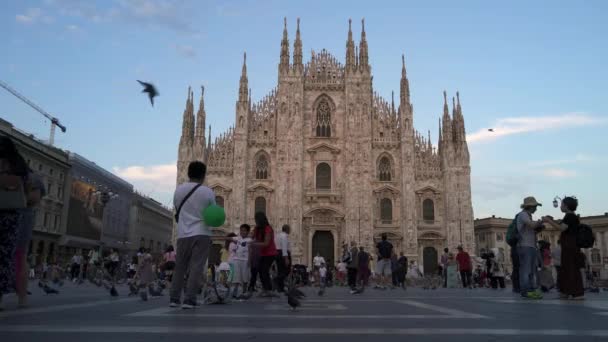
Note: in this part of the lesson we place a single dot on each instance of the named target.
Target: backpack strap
(179, 209)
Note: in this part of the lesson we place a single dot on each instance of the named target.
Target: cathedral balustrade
(386, 223)
(219, 170)
(385, 143)
(316, 195)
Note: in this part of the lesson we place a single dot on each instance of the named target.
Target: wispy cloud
(527, 124)
(33, 15)
(558, 173)
(579, 158)
(229, 10)
(170, 14)
(185, 50)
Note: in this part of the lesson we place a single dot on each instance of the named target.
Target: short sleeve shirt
(190, 218)
(242, 248)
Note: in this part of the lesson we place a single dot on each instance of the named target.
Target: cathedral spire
(405, 84)
(199, 135)
(363, 49)
(284, 63)
(188, 122)
(392, 102)
(350, 49)
(446, 110)
(243, 83)
(201, 116)
(446, 120)
(297, 50)
(459, 130)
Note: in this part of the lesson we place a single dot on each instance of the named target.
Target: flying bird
(150, 89)
(490, 129)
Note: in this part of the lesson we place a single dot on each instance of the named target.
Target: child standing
(241, 261)
(323, 275)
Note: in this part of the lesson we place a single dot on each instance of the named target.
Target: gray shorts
(384, 267)
(242, 274)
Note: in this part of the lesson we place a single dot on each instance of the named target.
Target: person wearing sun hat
(526, 247)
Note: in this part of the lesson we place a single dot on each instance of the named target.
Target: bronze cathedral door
(323, 243)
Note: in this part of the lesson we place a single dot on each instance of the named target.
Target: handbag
(12, 193)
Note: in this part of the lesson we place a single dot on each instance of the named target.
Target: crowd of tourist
(258, 253)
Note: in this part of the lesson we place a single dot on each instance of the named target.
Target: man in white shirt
(283, 256)
(193, 235)
(317, 261)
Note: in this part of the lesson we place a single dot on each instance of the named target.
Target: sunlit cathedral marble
(325, 154)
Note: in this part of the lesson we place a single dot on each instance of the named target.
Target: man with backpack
(383, 268)
(527, 253)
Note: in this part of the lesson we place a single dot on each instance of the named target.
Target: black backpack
(584, 236)
(513, 233)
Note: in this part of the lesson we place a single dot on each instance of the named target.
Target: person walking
(193, 235)
(264, 241)
(283, 257)
(169, 263)
(444, 266)
(402, 272)
(526, 248)
(15, 185)
(363, 269)
(383, 267)
(24, 235)
(76, 262)
(497, 269)
(317, 261)
(464, 267)
(570, 280)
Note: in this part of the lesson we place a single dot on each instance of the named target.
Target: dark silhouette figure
(150, 89)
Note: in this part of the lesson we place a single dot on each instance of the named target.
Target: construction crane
(54, 120)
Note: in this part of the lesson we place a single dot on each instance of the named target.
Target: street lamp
(104, 195)
(556, 201)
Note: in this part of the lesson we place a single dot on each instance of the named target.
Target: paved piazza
(86, 314)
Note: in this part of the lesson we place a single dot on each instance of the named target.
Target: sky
(534, 71)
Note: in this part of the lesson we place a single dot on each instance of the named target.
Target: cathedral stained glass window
(323, 177)
(428, 210)
(386, 211)
(324, 119)
(261, 167)
(384, 170)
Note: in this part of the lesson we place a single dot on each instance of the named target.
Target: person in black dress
(570, 281)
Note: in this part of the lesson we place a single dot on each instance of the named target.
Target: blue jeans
(528, 261)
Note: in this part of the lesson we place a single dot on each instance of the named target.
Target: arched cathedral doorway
(323, 243)
(429, 259)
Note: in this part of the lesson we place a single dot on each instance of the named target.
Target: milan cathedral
(327, 155)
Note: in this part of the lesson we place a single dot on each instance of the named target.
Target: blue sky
(535, 71)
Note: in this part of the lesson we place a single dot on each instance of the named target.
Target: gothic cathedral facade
(325, 154)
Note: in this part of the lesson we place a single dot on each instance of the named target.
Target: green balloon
(214, 215)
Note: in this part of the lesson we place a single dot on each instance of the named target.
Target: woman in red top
(264, 240)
